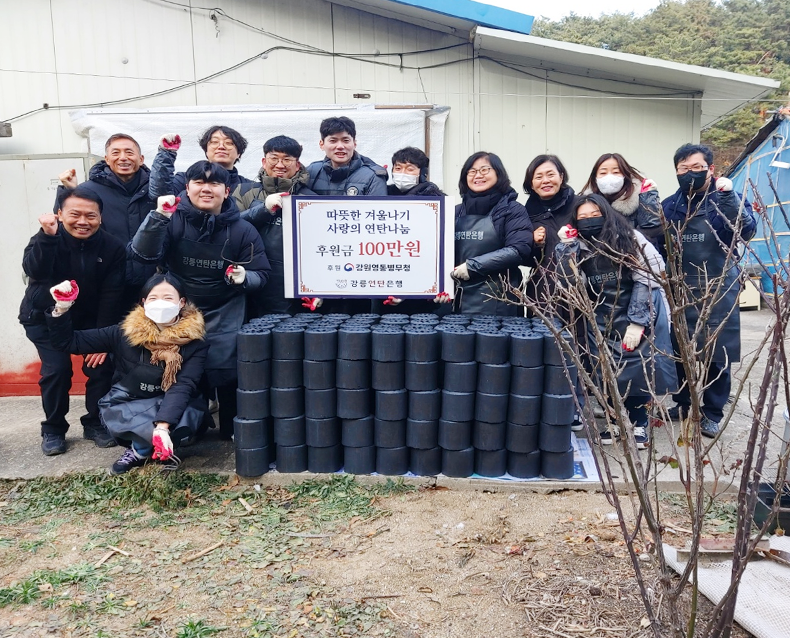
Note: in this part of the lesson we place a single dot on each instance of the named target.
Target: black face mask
(590, 227)
(692, 181)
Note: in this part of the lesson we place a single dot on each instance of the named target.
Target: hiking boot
(708, 428)
(606, 435)
(641, 437)
(53, 444)
(99, 435)
(128, 461)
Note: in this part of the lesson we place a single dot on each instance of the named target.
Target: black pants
(55, 383)
(226, 395)
(718, 381)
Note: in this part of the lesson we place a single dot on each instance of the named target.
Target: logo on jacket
(352, 191)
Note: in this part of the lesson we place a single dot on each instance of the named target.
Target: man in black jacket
(121, 181)
(73, 246)
(410, 175)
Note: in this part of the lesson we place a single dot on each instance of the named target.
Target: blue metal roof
(477, 12)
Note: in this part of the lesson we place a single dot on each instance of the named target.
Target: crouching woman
(159, 353)
(622, 272)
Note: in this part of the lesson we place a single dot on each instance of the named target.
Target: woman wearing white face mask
(159, 354)
(630, 194)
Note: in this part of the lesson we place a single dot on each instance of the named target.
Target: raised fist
(170, 142)
(648, 185)
(723, 184)
(274, 202)
(567, 234)
(235, 275)
(65, 294)
(49, 223)
(69, 178)
(442, 297)
(167, 204)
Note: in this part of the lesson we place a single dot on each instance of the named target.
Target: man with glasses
(261, 204)
(221, 144)
(219, 257)
(706, 221)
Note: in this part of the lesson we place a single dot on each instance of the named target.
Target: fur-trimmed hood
(625, 206)
(141, 331)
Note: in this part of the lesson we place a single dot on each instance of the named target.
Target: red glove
(70, 296)
(167, 204)
(170, 142)
(567, 234)
(442, 297)
(392, 301)
(312, 303)
(163, 444)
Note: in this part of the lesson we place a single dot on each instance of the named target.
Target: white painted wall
(87, 53)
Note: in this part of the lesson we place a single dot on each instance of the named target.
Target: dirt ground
(79, 558)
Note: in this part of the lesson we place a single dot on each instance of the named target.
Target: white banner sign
(368, 246)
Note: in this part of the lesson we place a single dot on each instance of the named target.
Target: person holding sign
(219, 257)
(493, 237)
(261, 203)
(344, 172)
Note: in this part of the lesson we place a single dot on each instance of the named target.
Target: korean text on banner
(367, 246)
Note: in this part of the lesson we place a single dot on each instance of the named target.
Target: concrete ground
(21, 457)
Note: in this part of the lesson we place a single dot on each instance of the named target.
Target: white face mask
(610, 184)
(404, 181)
(161, 311)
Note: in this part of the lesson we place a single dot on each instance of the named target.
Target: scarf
(540, 210)
(481, 203)
(164, 344)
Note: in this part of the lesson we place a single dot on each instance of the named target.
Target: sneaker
(677, 412)
(606, 435)
(641, 436)
(708, 428)
(213, 406)
(128, 461)
(577, 425)
(598, 411)
(53, 444)
(99, 435)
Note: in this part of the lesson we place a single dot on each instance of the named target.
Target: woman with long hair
(621, 271)
(493, 237)
(159, 353)
(628, 192)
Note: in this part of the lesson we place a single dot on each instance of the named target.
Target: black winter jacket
(362, 176)
(513, 227)
(97, 264)
(552, 214)
(126, 357)
(250, 196)
(158, 234)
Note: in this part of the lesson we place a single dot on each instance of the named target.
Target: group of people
(159, 269)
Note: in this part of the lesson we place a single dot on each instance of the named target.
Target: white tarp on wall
(380, 132)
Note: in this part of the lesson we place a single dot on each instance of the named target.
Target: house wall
(91, 53)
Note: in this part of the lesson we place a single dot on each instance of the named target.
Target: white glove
(567, 234)
(163, 445)
(170, 142)
(167, 204)
(274, 202)
(442, 297)
(723, 184)
(312, 303)
(392, 301)
(648, 185)
(461, 272)
(64, 294)
(235, 275)
(633, 335)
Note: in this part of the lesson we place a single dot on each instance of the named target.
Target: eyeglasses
(482, 171)
(285, 161)
(682, 170)
(214, 143)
